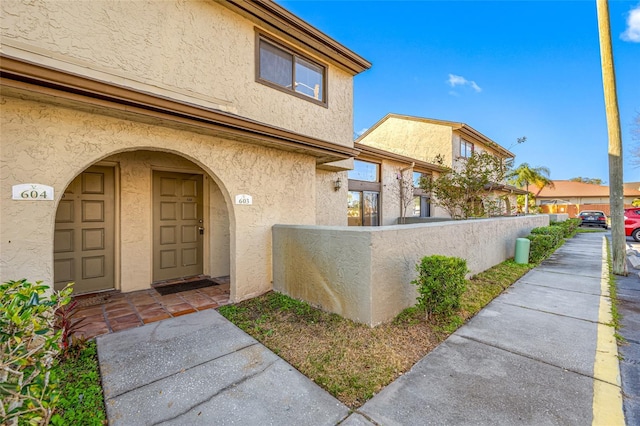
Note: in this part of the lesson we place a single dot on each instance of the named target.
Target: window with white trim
(287, 70)
(466, 148)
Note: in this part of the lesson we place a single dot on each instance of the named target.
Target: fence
(365, 273)
(573, 209)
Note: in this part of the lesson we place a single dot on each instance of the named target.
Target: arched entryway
(138, 218)
(84, 237)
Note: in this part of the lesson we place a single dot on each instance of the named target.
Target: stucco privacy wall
(53, 144)
(196, 51)
(365, 273)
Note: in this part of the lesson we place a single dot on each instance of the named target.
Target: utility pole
(616, 195)
(526, 199)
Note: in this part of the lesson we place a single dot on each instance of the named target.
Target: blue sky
(506, 68)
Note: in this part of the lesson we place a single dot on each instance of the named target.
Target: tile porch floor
(121, 311)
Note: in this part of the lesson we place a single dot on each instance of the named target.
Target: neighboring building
(572, 197)
(437, 141)
(384, 186)
(159, 140)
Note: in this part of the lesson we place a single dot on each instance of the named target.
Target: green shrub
(441, 283)
(542, 245)
(30, 345)
(569, 227)
(555, 232)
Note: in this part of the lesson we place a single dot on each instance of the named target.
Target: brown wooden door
(84, 232)
(177, 225)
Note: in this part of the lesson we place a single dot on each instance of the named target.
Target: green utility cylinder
(522, 250)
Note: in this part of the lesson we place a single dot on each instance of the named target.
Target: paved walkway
(629, 308)
(111, 312)
(528, 358)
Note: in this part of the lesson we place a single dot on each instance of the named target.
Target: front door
(177, 225)
(84, 233)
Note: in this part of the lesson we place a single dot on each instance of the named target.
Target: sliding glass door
(363, 208)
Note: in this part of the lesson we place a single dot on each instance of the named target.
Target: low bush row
(546, 239)
(441, 280)
(569, 227)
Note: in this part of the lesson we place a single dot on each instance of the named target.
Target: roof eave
(19, 75)
(296, 29)
(367, 150)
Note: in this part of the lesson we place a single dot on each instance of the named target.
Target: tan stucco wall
(390, 196)
(437, 211)
(47, 144)
(414, 139)
(365, 273)
(196, 51)
(331, 205)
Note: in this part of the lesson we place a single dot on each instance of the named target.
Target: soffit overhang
(21, 78)
(295, 30)
(505, 188)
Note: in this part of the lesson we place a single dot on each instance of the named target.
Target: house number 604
(32, 191)
(33, 194)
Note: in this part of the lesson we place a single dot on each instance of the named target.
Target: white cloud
(632, 33)
(455, 80)
(361, 132)
(458, 80)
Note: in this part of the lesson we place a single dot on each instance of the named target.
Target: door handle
(201, 229)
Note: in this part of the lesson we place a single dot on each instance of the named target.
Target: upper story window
(365, 171)
(466, 148)
(416, 179)
(287, 70)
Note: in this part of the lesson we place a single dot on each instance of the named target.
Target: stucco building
(384, 188)
(571, 197)
(437, 141)
(145, 141)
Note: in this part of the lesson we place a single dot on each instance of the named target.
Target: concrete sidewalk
(528, 358)
(629, 307)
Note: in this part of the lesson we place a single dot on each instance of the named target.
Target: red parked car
(632, 223)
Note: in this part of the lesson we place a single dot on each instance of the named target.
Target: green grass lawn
(354, 361)
(81, 401)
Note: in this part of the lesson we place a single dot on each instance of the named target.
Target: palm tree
(524, 174)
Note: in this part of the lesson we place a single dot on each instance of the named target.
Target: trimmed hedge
(556, 233)
(441, 283)
(542, 245)
(569, 227)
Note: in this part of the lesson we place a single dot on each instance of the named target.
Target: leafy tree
(464, 191)
(525, 175)
(592, 181)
